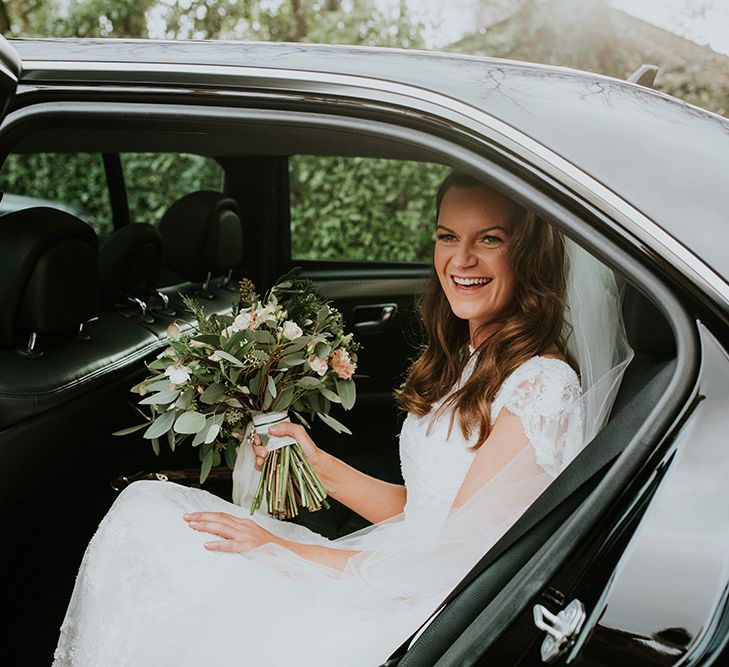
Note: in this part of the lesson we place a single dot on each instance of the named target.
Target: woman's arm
(371, 498)
(243, 535)
(506, 440)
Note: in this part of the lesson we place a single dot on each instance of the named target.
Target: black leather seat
(49, 276)
(130, 261)
(203, 236)
(61, 393)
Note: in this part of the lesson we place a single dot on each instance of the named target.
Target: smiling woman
(515, 393)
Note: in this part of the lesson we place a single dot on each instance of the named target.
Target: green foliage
(76, 179)
(153, 182)
(362, 208)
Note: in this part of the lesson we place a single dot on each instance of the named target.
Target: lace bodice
(540, 392)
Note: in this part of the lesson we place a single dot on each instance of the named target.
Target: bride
(496, 409)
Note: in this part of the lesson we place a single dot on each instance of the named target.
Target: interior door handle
(374, 317)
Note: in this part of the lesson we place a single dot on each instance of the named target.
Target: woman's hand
(240, 535)
(312, 453)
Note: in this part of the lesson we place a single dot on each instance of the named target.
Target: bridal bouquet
(228, 374)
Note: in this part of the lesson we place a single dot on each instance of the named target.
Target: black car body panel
(613, 130)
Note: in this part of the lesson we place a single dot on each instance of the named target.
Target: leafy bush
(362, 208)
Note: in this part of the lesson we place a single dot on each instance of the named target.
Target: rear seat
(203, 245)
(61, 356)
(69, 354)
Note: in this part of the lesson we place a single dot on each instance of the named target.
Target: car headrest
(647, 329)
(202, 233)
(49, 274)
(130, 260)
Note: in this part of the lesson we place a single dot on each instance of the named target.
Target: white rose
(291, 330)
(318, 365)
(265, 314)
(177, 374)
(242, 321)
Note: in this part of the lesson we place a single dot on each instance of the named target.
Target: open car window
(362, 209)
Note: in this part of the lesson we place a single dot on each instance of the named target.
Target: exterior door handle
(372, 318)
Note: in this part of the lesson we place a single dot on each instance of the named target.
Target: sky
(703, 21)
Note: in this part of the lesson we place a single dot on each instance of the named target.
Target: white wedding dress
(149, 593)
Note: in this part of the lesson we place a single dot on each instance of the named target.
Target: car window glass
(362, 209)
(74, 182)
(154, 181)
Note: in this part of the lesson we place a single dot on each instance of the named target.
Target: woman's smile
(468, 284)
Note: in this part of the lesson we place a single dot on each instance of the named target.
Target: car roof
(668, 159)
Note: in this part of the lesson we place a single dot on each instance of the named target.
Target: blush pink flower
(342, 364)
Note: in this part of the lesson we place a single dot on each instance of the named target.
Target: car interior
(84, 306)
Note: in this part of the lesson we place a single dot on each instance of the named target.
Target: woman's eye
(492, 240)
(445, 237)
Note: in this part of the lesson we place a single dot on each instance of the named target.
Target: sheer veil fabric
(148, 593)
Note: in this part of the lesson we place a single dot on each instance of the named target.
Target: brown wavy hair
(533, 327)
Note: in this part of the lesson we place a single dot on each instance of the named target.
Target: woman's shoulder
(543, 385)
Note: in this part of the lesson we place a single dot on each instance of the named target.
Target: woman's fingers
(231, 546)
(215, 528)
(296, 431)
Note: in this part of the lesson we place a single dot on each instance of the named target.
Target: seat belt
(594, 458)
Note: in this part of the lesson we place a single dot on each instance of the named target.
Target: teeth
(466, 282)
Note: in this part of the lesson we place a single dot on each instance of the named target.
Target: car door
(10, 66)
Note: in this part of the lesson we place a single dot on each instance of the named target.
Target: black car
(628, 550)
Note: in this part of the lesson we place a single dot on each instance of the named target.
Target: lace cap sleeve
(543, 393)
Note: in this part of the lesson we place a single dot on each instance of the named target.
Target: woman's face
(472, 256)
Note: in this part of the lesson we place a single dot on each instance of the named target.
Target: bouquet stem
(289, 482)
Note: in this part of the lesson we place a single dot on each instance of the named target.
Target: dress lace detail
(541, 392)
(148, 593)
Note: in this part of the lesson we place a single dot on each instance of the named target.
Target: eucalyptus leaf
(296, 345)
(259, 354)
(207, 464)
(212, 433)
(160, 397)
(283, 400)
(208, 339)
(216, 458)
(213, 393)
(229, 358)
(308, 382)
(333, 423)
(231, 453)
(322, 315)
(323, 350)
(347, 392)
(161, 425)
(264, 337)
(272, 387)
(255, 383)
(131, 429)
(158, 385)
(233, 403)
(159, 364)
(190, 422)
(155, 446)
(185, 399)
(291, 360)
(171, 440)
(267, 400)
(200, 436)
(330, 395)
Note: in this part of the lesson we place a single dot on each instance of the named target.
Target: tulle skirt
(149, 593)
